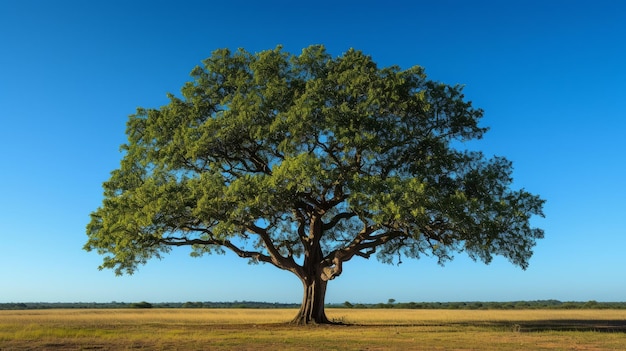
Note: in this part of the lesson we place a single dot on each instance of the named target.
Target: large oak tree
(306, 161)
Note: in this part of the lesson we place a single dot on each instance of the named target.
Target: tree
(142, 304)
(306, 161)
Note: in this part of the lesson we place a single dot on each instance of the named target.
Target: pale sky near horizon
(550, 75)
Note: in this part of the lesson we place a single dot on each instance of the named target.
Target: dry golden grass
(255, 329)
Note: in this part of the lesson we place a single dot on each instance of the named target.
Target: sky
(550, 76)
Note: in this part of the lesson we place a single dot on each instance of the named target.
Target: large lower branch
(363, 245)
(333, 270)
(275, 256)
(181, 241)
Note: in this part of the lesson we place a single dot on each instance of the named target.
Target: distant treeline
(477, 305)
(513, 305)
(142, 304)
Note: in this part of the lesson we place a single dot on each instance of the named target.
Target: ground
(266, 329)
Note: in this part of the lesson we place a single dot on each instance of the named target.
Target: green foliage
(190, 304)
(142, 304)
(305, 161)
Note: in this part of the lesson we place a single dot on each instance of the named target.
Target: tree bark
(312, 308)
(315, 273)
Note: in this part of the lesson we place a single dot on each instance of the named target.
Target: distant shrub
(141, 304)
(190, 304)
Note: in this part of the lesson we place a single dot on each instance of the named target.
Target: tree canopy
(306, 161)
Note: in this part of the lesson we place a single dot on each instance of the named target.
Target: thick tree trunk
(312, 308)
(315, 274)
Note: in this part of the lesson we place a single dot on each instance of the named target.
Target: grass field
(258, 329)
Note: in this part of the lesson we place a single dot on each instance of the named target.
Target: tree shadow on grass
(591, 325)
(602, 326)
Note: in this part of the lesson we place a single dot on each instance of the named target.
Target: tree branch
(300, 217)
(333, 222)
(275, 257)
(364, 244)
(181, 241)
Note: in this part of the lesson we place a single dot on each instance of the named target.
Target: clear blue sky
(550, 75)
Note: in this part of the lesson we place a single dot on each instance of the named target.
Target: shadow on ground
(595, 325)
(607, 326)
(602, 326)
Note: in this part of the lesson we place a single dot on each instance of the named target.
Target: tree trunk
(312, 308)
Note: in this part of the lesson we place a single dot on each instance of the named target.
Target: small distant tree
(142, 304)
(305, 162)
(190, 304)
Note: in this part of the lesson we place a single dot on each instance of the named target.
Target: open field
(258, 329)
